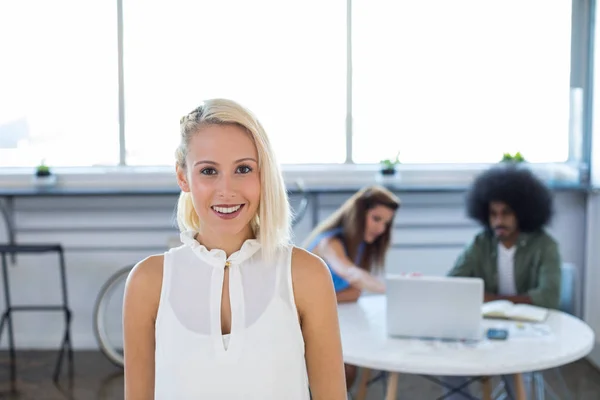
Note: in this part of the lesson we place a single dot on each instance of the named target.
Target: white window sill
(346, 175)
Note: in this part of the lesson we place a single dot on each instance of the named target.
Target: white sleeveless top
(262, 358)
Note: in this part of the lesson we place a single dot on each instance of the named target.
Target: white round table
(366, 344)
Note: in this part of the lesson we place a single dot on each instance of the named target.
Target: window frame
(576, 169)
(317, 176)
(581, 56)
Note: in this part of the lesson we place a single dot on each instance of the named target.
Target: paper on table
(517, 312)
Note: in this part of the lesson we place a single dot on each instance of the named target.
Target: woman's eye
(208, 171)
(244, 169)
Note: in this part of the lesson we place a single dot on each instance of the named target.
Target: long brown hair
(351, 217)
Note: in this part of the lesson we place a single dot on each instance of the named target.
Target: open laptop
(434, 307)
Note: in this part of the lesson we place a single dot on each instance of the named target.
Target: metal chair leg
(7, 317)
(538, 385)
(66, 349)
(66, 342)
(563, 385)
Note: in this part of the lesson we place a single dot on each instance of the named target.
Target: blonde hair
(271, 225)
(351, 218)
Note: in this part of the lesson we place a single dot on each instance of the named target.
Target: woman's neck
(228, 243)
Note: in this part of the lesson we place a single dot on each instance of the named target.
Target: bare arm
(140, 305)
(317, 308)
(348, 295)
(332, 250)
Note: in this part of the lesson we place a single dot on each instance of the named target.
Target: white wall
(102, 234)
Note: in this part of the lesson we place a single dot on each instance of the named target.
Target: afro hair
(529, 198)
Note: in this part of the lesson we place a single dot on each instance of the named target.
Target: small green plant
(388, 166)
(42, 169)
(516, 158)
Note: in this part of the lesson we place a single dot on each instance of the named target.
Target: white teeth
(227, 210)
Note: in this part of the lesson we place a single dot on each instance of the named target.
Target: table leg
(392, 386)
(520, 393)
(486, 388)
(361, 393)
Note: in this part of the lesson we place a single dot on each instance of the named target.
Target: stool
(14, 249)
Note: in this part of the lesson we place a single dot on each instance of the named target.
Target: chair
(13, 249)
(567, 289)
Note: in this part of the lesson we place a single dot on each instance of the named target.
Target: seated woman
(353, 243)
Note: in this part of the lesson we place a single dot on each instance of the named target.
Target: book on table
(506, 309)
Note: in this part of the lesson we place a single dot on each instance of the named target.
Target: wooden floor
(95, 378)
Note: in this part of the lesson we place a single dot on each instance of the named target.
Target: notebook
(517, 312)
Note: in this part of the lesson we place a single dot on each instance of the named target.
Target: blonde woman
(236, 312)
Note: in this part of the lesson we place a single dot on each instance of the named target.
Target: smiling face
(378, 219)
(222, 176)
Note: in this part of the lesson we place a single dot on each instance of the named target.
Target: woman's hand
(332, 250)
(362, 279)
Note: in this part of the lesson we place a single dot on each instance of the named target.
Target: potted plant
(516, 158)
(388, 166)
(43, 175)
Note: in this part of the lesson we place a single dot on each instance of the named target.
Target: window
(286, 61)
(58, 83)
(461, 81)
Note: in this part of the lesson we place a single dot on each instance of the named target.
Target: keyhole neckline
(217, 257)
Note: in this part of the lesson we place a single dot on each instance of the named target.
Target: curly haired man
(514, 255)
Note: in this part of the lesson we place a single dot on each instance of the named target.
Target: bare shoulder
(333, 250)
(307, 266)
(144, 282)
(311, 279)
(149, 270)
(332, 242)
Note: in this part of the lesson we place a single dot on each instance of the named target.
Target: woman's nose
(226, 186)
